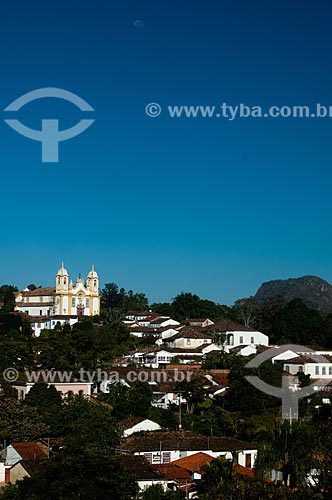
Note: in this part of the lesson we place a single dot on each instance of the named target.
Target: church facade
(66, 299)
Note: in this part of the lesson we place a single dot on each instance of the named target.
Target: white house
(310, 365)
(188, 338)
(200, 322)
(40, 323)
(143, 472)
(155, 322)
(164, 447)
(137, 424)
(17, 458)
(232, 334)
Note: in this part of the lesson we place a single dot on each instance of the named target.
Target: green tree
(19, 422)
(289, 449)
(139, 398)
(89, 427)
(67, 476)
(215, 472)
(155, 492)
(246, 310)
(48, 402)
(7, 297)
(193, 392)
(114, 298)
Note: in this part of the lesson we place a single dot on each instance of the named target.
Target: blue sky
(166, 205)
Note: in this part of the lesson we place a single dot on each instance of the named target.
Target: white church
(63, 303)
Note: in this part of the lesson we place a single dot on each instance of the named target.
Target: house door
(248, 460)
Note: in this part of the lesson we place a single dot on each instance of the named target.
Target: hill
(315, 292)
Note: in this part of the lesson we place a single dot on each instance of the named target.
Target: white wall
(246, 338)
(176, 454)
(184, 343)
(146, 425)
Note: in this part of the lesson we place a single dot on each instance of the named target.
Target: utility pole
(180, 414)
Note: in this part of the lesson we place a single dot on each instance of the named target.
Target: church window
(59, 281)
(65, 281)
(87, 302)
(73, 302)
(95, 283)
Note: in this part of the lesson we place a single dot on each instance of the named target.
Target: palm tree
(289, 449)
(215, 472)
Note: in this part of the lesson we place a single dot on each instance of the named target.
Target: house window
(252, 340)
(324, 370)
(241, 340)
(81, 393)
(287, 368)
(330, 370)
(161, 358)
(300, 369)
(316, 370)
(205, 341)
(40, 312)
(188, 341)
(156, 459)
(41, 299)
(148, 456)
(248, 460)
(166, 458)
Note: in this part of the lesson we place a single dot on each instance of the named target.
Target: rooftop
(140, 468)
(194, 463)
(181, 440)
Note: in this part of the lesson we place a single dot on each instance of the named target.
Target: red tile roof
(244, 471)
(181, 440)
(38, 292)
(171, 471)
(228, 326)
(140, 468)
(194, 463)
(30, 451)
